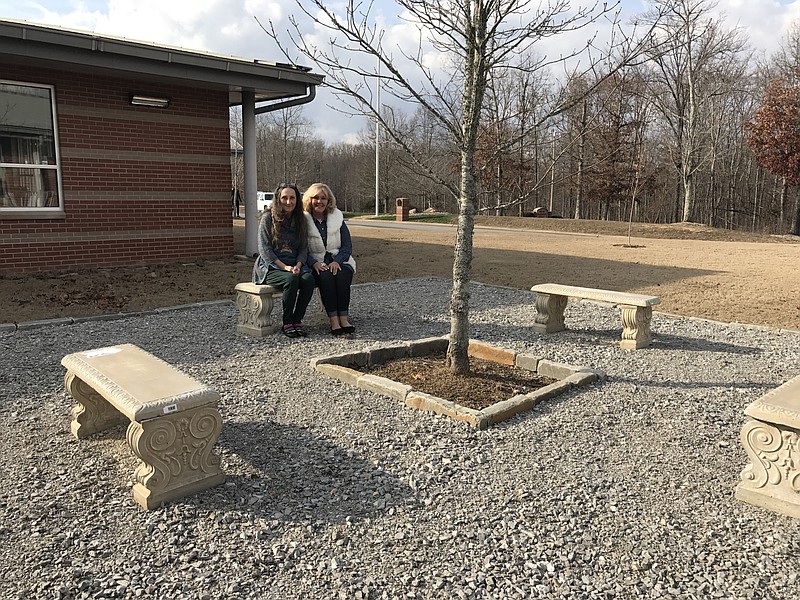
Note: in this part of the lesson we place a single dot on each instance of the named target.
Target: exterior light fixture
(151, 101)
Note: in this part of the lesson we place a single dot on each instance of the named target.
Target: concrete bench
(635, 309)
(772, 440)
(255, 304)
(173, 419)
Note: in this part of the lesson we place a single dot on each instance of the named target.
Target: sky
(230, 27)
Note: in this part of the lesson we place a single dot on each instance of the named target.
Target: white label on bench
(170, 408)
(101, 352)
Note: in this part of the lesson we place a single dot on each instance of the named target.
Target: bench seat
(635, 310)
(771, 439)
(173, 419)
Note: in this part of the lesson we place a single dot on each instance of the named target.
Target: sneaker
(290, 331)
(298, 329)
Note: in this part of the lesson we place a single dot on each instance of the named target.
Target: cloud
(765, 22)
(230, 27)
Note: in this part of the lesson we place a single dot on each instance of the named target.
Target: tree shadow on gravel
(763, 388)
(288, 473)
(663, 341)
(590, 336)
(692, 344)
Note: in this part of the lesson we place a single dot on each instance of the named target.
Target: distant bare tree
(281, 146)
(689, 48)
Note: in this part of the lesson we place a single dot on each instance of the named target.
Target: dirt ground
(695, 270)
(485, 384)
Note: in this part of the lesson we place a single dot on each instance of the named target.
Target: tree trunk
(784, 188)
(688, 197)
(756, 206)
(471, 102)
(795, 229)
(581, 160)
(457, 350)
(678, 203)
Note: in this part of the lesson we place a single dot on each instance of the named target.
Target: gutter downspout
(249, 112)
(310, 95)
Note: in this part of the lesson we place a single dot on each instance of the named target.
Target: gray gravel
(623, 489)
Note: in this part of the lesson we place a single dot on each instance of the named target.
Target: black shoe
(290, 331)
(298, 329)
(349, 329)
(337, 332)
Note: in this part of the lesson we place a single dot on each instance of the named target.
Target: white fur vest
(316, 249)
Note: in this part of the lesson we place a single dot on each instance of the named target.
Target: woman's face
(287, 200)
(319, 202)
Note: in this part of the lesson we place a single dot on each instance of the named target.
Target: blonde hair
(314, 189)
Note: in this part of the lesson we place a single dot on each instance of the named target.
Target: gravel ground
(623, 489)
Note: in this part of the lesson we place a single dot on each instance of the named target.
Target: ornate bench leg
(92, 413)
(635, 326)
(771, 479)
(255, 313)
(549, 313)
(177, 454)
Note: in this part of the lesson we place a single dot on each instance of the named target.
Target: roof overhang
(26, 43)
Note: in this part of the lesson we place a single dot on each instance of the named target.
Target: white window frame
(44, 212)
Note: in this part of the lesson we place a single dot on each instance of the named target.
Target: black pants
(334, 290)
(297, 293)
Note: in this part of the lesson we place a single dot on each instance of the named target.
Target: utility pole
(552, 169)
(378, 145)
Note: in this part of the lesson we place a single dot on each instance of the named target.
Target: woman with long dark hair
(283, 256)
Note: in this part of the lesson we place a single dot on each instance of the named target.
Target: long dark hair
(297, 220)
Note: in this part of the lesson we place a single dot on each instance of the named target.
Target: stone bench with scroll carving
(173, 419)
(772, 440)
(636, 310)
(255, 303)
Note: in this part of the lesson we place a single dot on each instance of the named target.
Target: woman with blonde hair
(283, 256)
(330, 255)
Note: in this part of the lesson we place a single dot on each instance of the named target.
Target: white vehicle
(263, 200)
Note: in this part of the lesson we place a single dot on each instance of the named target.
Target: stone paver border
(344, 367)
(60, 321)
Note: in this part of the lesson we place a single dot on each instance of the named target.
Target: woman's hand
(319, 267)
(295, 270)
(335, 267)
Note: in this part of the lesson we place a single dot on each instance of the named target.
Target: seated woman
(329, 254)
(282, 257)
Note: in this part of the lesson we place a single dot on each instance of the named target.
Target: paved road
(439, 226)
(396, 225)
(414, 225)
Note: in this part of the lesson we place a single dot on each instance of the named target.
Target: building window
(30, 180)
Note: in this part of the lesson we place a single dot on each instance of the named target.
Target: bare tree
(281, 137)
(688, 48)
(476, 37)
(786, 61)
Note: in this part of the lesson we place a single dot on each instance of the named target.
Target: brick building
(114, 152)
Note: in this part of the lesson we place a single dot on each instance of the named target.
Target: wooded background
(699, 129)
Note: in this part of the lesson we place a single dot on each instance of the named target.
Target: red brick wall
(140, 185)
